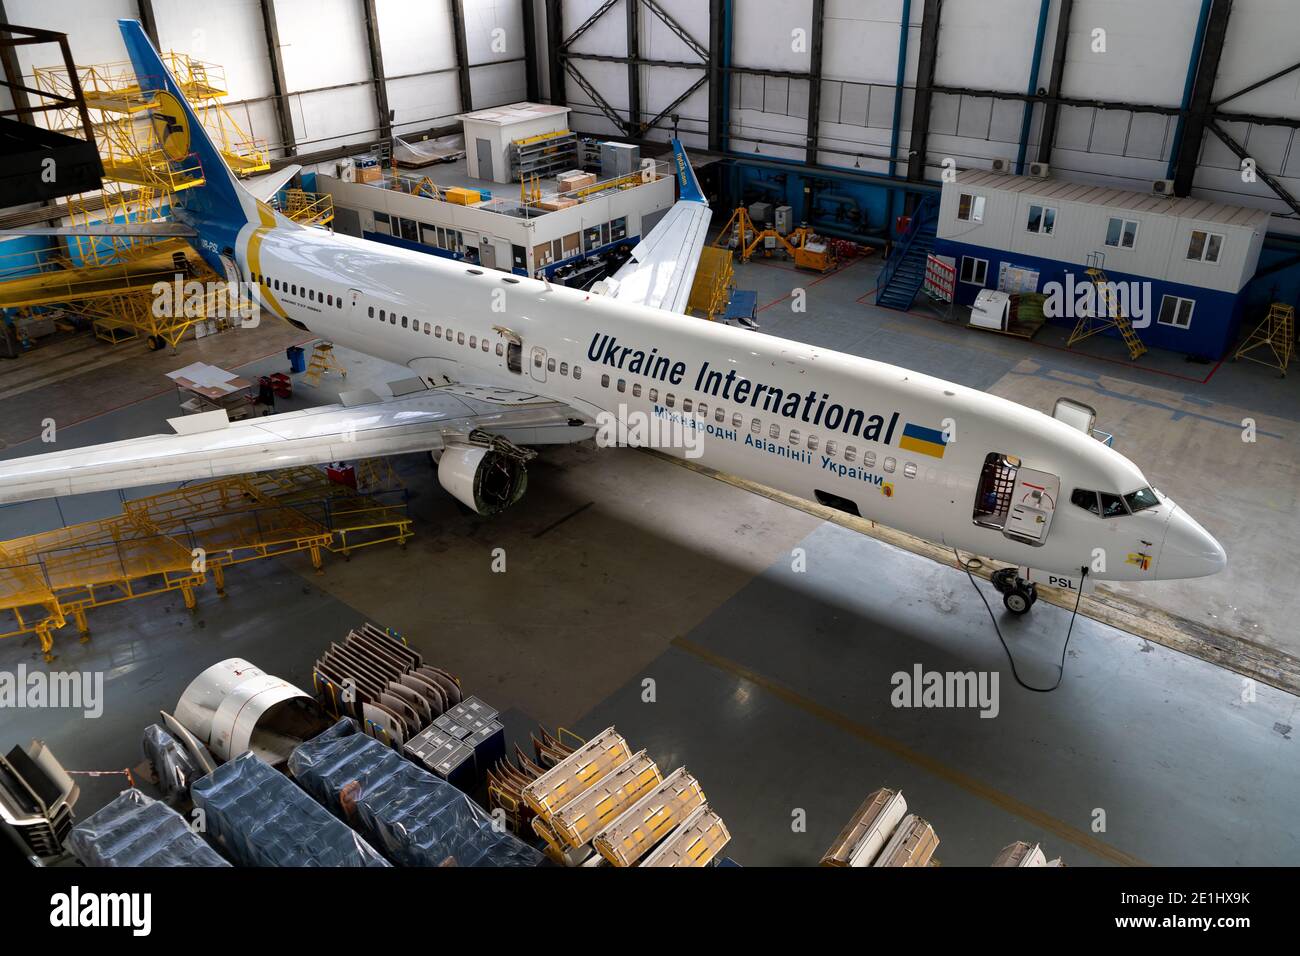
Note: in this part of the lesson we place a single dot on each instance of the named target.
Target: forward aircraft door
(1032, 505)
(538, 363)
(1016, 500)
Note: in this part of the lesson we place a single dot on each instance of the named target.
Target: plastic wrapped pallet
(172, 765)
(136, 830)
(413, 817)
(261, 819)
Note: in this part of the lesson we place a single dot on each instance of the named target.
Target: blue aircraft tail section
(220, 206)
(688, 187)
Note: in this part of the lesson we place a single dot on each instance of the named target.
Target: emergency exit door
(538, 363)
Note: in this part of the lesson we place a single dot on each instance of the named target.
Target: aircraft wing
(210, 446)
(662, 268)
(157, 229)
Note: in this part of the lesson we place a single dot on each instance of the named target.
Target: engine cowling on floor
(483, 479)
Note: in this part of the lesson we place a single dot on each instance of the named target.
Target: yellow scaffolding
(713, 279)
(172, 541)
(1276, 334)
(310, 209)
(112, 91)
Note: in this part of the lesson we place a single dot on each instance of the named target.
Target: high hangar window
(1204, 246)
(1121, 233)
(1042, 219)
(970, 208)
(1176, 311)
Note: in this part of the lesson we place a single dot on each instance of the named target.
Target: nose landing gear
(1018, 595)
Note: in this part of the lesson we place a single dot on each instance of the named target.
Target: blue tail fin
(688, 187)
(219, 207)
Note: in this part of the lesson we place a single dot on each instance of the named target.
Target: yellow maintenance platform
(174, 540)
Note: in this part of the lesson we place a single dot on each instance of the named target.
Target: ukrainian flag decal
(923, 441)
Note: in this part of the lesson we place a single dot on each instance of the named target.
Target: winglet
(688, 187)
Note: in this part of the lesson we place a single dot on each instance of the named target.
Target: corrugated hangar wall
(1146, 56)
(978, 56)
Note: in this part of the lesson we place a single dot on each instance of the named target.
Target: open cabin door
(1016, 500)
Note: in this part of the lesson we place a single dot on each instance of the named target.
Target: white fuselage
(766, 416)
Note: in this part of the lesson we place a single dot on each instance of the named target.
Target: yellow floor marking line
(972, 785)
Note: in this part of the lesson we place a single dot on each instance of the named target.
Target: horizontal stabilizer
(161, 229)
(265, 187)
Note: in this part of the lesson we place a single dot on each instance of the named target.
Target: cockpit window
(1141, 499)
(1112, 506)
(1086, 500)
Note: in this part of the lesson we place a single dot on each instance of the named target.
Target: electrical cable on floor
(975, 562)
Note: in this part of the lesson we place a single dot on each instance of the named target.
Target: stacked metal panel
(697, 842)
(626, 839)
(415, 818)
(260, 818)
(604, 797)
(377, 679)
(1026, 855)
(136, 830)
(867, 832)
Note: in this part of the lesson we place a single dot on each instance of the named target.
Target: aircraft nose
(1189, 551)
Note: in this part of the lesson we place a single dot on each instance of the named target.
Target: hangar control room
(650, 433)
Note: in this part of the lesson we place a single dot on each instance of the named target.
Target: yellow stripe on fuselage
(931, 448)
(267, 218)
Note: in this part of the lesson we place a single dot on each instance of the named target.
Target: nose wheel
(1018, 595)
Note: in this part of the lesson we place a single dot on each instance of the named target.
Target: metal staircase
(904, 271)
(1107, 315)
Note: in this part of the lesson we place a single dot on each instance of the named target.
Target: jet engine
(487, 478)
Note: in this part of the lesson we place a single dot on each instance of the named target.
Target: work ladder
(1277, 332)
(322, 361)
(1107, 315)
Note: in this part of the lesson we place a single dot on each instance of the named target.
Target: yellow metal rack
(172, 541)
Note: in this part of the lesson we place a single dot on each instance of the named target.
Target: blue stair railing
(904, 271)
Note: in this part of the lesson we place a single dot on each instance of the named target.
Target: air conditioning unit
(1040, 170)
(1163, 187)
(1007, 166)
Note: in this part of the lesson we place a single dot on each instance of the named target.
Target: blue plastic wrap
(260, 818)
(413, 817)
(173, 767)
(136, 830)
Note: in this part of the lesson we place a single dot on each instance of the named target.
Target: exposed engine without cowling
(487, 478)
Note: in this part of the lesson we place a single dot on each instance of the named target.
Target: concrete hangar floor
(773, 686)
